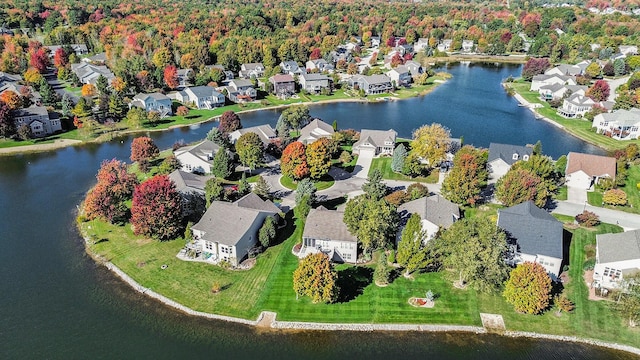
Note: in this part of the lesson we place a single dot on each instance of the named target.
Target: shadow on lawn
(352, 282)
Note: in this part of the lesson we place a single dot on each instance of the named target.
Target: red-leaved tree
(107, 200)
(315, 54)
(294, 161)
(60, 58)
(157, 209)
(534, 67)
(229, 122)
(40, 60)
(171, 76)
(599, 91)
(143, 149)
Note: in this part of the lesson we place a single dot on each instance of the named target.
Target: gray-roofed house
(421, 44)
(576, 105)
(283, 85)
(78, 49)
(202, 97)
(400, 75)
(502, 156)
(315, 130)
(251, 70)
(445, 45)
(228, 231)
(88, 73)
(375, 142)
(564, 69)
(324, 231)
(467, 45)
(435, 212)
(184, 77)
(37, 118)
(241, 90)
(540, 80)
(373, 84)
(314, 83)
(265, 132)
(617, 255)
(188, 182)
(319, 64)
(620, 125)
(157, 102)
(534, 236)
(99, 58)
(292, 68)
(414, 68)
(197, 158)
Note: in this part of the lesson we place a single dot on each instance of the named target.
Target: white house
(265, 132)
(534, 236)
(400, 75)
(564, 69)
(241, 90)
(319, 64)
(157, 102)
(541, 80)
(251, 70)
(628, 49)
(502, 156)
(202, 97)
(445, 45)
(617, 255)
(314, 83)
(576, 105)
(88, 73)
(37, 118)
(324, 231)
(374, 84)
(583, 170)
(435, 213)
(421, 44)
(292, 68)
(375, 142)
(620, 124)
(228, 231)
(197, 158)
(467, 45)
(315, 130)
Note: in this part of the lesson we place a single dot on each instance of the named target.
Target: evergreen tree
(243, 186)
(66, 104)
(399, 155)
(381, 273)
(374, 187)
(412, 253)
(306, 187)
(214, 191)
(262, 188)
(267, 232)
(222, 164)
(218, 138)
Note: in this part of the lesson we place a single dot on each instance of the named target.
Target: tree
(302, 208)
(629, 302)
(374, 187)
(116, 106)
(32, 76)
(599, 91)
(262, 188)
(593, 70)
(474, 249)
(170, 76)
(528, 288)
(88, 90)
(293, 162)
(614, 197)
(250, 150)
(40, 60)
(520, 185)
(24, 132)
(416, 191)
(60, 58)
(219, 138)
(296, 116)
(102, 85)
(373, 222)
(619, 67)
(267, 232)
(244, 187)
(412, 254)
(107, 200)
(169, 165)
(315, 277)
(464, 183)
(431, 143)
(319, 158)
(7, 122)
(399, 155)
(306, 187)
(11, 99)
(143, 149)
(213, 191)
(182, 111)
(222, 164)
(535, 66)
(118, 85)
(588, 219)
(135, 116)
(229, 122)
(156, 210)
(543, 167)
(381, 273)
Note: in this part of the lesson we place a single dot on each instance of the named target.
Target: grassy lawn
(631, 188)
(7, 143)
(594, 198)
(562, 193)
(384, 165)
(324, 183)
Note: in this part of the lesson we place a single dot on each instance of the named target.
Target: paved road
(626, 220)
(58, 86)
(613, 85)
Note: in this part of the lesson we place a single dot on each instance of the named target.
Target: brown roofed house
(584, 170)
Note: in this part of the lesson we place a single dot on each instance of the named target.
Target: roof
(435, 209)
(314, 77)
(376, 137)
(203, 149)
(252, 66)
(265, 132)
(536, 232)
(618, 247)
(376, 79)
(203, 91)
(592, 165)
(622, 117)
(156, 96)
(315, 130)
(253, 201)
(326, 224)
(566, 69)
(506, 151)
(30, 111)
(579, 99)
(189, 182)
(281, 78)
(552, 87)
(545, 77)
(241, 82)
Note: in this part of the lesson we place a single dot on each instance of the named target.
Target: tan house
(324, 231)
(584, 170)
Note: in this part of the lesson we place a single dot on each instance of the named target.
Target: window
(525, 157)
(612, 273)
(515, 157)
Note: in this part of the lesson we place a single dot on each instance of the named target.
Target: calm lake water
(55, 303)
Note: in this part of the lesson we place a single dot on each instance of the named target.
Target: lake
(56, 303)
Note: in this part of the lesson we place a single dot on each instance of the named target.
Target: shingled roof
(618, 247)
(506, 152)
(189, 182)
(326, 224)
(534, 229)
(435, 209)
(592, 165)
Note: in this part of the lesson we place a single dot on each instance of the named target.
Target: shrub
(614, 197)
(588, 219)
(589, 264)
(182, 111)
(397, 198)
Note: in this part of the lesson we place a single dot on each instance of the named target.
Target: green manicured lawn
(562, 193)
(631, 188)
(6, 143)
(594, 198)
(384, 165)
(324, 183)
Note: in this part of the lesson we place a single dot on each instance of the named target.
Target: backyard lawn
(323, 183)
(384, 165)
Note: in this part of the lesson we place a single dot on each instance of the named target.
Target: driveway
(59, 88)
(626, 220)
(576, 195)
(363, 164)
(613, 85)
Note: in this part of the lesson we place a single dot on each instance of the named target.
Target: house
(189, 183)
(88, 73)
(564, 69)
(617, 256)
(400, 76)
(228, 231)
(414, 68)
(502, 156)
(541, 80)
(228, 74)
(534, 236)
(202, 97)
(375, 41)
(421, 44)
(251, 71)
(292, 68)
(584, 170)
(374, 84)
(620, 124)
(38, 119)
(315, 130)
(265, 132)
(197, 158)
(467, 45)
(435, 212)
(78, 49)
(628, 50)
(558, 91)
(241, 90)
(375, 142)
(98, 59)
(157, 102)
(576, 105)
(445, 45)
(314, 83)
(184, 77)
(319, 64)
(283, 85)
(324, 231)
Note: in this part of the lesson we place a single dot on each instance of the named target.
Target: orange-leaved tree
(294, 161)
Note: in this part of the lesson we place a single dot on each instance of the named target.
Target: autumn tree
(60, 58)
(373, 222)
(294, 161)
(528, 288)
(40, 60)
(170, 76)
(475, 250)
(599, 91)
(32, 76)
(250, 149)
(11, 99)
(412, 253)
(464, 182)
(88, 90)
(143, 150)
(222, 164)
(520, 185)
(315, 277)
(107, 200)
(156, 210)
(7, 122)
(593, 70)
(229, 122)
(135, 117)
(614, 197)
(535, 66)
(267, 232)
(431, 143)
(319, 158)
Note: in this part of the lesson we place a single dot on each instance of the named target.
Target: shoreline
(267, 320)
